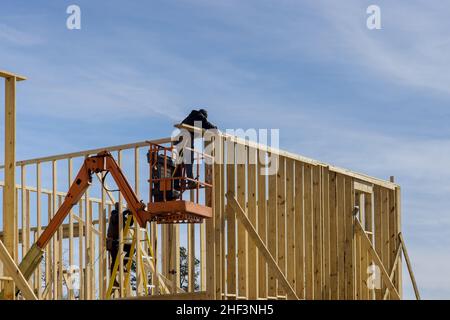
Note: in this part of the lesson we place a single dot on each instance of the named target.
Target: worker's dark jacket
(199, 117)
(191, 119)
(196, 116)
(112, 237)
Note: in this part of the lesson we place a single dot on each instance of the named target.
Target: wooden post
(219, 223)
(242, 240)
(191, 252)
(252, 208)
(9, 191)
(333, 207)
(299, 231)
(71, 259)
(281, 218)
(209, 233)
(231, 222)
(308, 221)
(140, 269)
(262, 223)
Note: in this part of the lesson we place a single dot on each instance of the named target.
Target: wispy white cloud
(17, 37)
(410, 49)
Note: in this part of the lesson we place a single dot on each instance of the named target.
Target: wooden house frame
(309, 230)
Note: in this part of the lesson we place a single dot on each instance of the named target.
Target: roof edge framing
(356, 175)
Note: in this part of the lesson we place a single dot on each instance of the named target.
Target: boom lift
(165, 206)
(168, 182)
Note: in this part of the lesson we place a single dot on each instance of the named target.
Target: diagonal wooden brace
(14, 272)
(394, 266)
(240, 214)
(377, 260)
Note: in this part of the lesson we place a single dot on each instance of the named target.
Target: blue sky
(374, 101)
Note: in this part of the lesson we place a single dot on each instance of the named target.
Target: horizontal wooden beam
(61, 193)
(88, 152)
(362, 187)
(360, 176)
(202, 295)
(65, 228)
(236, 297)
(253, 144)
(7, 74)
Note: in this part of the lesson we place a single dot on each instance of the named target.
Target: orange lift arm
(102, 162)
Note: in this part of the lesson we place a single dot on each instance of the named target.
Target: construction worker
(194, 118)
(112, 237)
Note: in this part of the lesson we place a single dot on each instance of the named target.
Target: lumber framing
(292, 234)
(10, 221)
